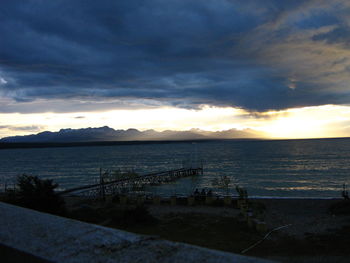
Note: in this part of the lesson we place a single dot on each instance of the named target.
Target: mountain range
(108, 134)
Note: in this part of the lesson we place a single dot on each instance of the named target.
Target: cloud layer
(257, 55)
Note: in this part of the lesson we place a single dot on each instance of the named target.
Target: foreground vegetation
(35, 193)
(227, 233)
(217, 231)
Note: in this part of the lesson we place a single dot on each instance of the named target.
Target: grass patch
(116, 216)
(340, 208)
(223, 233)
(229, 234)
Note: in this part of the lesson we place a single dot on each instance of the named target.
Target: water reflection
(274, 168)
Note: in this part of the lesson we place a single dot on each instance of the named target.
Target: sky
(278, 67)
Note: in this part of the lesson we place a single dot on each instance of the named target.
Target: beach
(301, 217)
(310, 231)
(305, 216)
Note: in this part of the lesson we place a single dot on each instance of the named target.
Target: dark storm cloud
(257, 55)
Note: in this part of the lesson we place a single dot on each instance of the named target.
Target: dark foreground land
(11, 255)
(313, 230)
(316, 230)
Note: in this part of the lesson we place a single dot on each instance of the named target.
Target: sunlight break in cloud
(308, 122)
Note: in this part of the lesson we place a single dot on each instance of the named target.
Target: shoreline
(53, 144)
(293, 198)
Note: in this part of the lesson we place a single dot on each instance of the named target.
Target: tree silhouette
(39, 194)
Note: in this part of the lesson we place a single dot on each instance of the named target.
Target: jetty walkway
(112, 187)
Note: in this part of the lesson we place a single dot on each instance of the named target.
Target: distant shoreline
(14, 145)
(293, 198)
(25, 145)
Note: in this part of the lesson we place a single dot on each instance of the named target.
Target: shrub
(38, 194)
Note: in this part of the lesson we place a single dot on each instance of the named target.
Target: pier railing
(116, 186)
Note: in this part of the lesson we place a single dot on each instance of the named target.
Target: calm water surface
(294, 168)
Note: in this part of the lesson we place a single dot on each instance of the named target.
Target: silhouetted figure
(345, 193)
(203, 194)
(210, 193)
(197, 195)
(196, 192)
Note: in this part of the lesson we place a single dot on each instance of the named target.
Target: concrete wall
(60, 239)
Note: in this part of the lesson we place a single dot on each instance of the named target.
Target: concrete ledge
(60, 239)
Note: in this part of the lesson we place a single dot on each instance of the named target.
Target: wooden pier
(118, 186)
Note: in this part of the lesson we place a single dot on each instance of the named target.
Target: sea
(310, 168)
